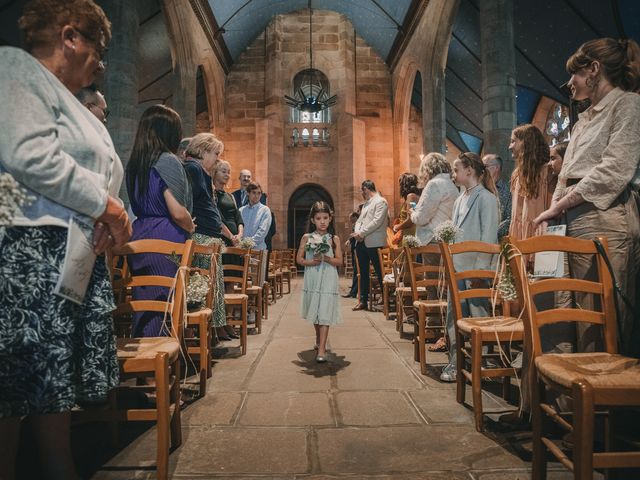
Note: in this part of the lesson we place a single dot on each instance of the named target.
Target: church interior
(315, 97)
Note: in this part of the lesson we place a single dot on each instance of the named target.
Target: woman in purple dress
(161, 199)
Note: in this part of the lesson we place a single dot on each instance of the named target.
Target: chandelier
(310, 96)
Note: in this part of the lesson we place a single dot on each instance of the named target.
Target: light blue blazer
(479, 221)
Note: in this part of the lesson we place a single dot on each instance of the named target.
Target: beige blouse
(604, 150)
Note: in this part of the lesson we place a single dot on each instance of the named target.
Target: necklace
(468, 190)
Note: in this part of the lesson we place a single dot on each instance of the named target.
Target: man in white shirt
(370, 233)
(256, 218)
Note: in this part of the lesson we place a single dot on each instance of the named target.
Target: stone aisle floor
(368, 413)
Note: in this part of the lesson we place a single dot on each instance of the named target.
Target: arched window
(295, 137)
(311, 83)
(305, 137)
(316, 136)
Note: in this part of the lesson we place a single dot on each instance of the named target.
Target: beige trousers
(620, 224)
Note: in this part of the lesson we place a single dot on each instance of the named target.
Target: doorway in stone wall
(300, 204)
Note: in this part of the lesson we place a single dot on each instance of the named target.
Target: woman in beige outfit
(593, 186)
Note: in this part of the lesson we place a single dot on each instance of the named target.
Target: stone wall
(257, 132)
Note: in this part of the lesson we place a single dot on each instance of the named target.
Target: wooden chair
(425, 282)
(348, 263)
(403, 291)
(272, 278)
(285, 262)
(157, 358)
(500, 331)
(615, 386)
(254, 291)
(236, 300)
(388, 285)
(201, 319)
(277, 266)
(293, 267)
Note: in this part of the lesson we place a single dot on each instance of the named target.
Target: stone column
(498, 78)
(121, 78)
(433, 111)
(185, 65)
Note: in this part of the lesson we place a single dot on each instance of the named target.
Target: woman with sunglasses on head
(593, 190)
(55, 352)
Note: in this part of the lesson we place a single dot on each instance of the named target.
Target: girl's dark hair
(159, 131)
(320, 207)
(532, 160)
(620, 61)
(408, 184)
(470, 159)
(561, 148)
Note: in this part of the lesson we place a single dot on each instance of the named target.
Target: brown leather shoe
(360, 306)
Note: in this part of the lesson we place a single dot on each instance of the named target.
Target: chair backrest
(255, 267)
(125, 280)
(529, 288)
(426, 276)
(398, 265)
(453, 277)
(235, 274)
(211, 251)
(384, 255)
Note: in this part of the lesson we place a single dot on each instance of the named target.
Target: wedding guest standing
(161, 200)
(593, 186)
(54, 351)
(370, 234)
(257, 220)
(409, 193)
(493, 164)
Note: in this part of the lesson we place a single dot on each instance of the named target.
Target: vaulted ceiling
(546, 32)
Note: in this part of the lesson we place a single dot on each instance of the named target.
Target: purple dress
(153, 222)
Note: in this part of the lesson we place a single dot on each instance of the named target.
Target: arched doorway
(300, 203)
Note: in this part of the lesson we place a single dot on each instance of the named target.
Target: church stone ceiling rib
(243, 20)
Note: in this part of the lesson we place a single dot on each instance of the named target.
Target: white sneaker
(448, 374)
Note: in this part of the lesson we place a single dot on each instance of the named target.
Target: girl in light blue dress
(320, 253)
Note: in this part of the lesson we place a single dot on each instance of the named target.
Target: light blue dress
(320, 291)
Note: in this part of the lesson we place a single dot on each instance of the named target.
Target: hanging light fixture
(305, 100)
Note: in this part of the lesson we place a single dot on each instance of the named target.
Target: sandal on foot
(439, 346)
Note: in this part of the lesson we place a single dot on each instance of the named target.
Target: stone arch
(300, 203)
(401, 109)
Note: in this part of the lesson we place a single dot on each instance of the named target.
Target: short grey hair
(432, 164)
(493, 157)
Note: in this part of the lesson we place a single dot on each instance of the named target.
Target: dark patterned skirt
(53, 352)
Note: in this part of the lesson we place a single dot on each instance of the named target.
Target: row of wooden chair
(160, 359)
(484, 347)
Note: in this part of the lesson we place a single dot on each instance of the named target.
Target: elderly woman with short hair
(435, 206)
(57, 346)
(439, 193)
(201, 159)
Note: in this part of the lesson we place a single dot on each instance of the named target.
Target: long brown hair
(320, 207)
(620, 61)
(159, 131)
(473, 160)
(532, 158)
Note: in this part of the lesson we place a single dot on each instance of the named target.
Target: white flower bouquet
(197, 288)
(446, 232)
(247, 243)
(317, 244)
(411, 241)
(12, 197)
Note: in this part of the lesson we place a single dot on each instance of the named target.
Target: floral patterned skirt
(53, 352)
(218, 319)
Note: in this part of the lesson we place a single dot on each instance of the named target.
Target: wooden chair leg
(539, 459)
(385, 302)
(399, 313)
(583, 416)
(209, 355)
(203, 340)
(162, 415)
(461, 383)
(422, 341)
(176, 422)
(476, 378)
(244, 328)
(258, 315)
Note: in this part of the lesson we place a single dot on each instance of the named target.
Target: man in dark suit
(240, 195)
